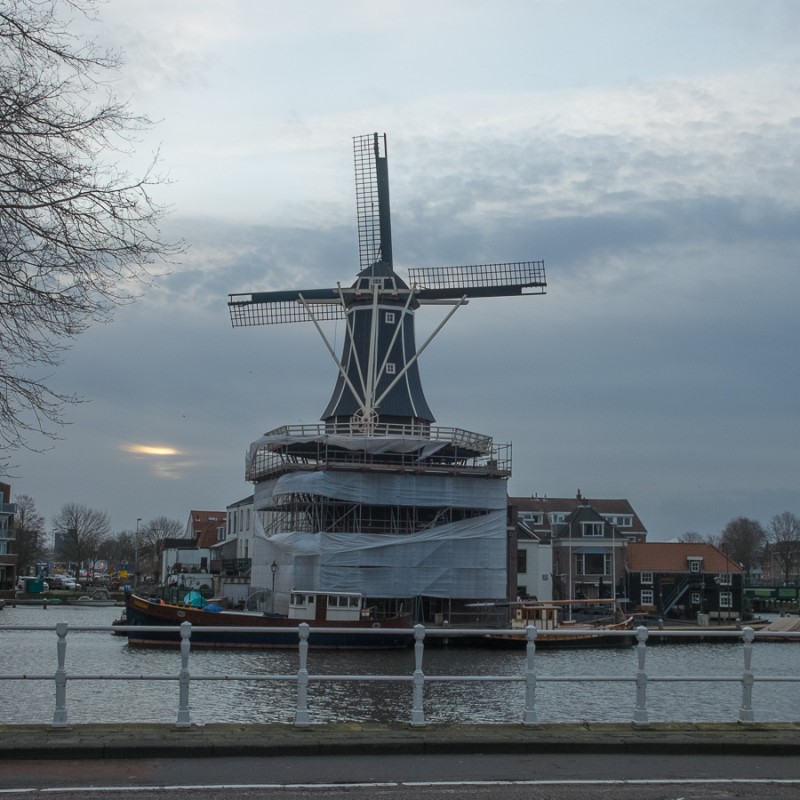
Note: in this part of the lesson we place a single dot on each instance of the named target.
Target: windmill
(378, 386)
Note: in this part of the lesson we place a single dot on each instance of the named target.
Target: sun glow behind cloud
(150, 450)
(160, 459)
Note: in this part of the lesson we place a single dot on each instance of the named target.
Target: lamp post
(274, 568)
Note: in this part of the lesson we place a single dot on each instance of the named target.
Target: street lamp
(274, 568)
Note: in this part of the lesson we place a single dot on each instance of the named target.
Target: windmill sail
(378, 377)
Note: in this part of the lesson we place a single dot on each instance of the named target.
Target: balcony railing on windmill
(469, 455)
(456, 436)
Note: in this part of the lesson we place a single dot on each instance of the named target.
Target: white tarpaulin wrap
(465, 559)
(363, 444)
(394, 490)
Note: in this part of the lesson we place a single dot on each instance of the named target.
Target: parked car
(62, 582)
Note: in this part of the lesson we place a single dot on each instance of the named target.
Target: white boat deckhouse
(375, 498)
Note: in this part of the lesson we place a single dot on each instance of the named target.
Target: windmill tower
(377, 499)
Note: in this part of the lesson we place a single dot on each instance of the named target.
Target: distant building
(186, 561)
(571, 547)
(8, 556)
(232, 555)
(678, 579)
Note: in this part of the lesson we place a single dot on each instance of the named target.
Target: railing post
(183, 720)
(301, 714)
(417, 712)
(746, 711)
(529, 717)
(60, 714)
(640, 712)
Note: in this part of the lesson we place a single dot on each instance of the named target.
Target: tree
(784, 542)
(77, 231)
(118, 550)
(743, 540)
(30, 535)
(150, 537)
(692, 537)
(80, 531)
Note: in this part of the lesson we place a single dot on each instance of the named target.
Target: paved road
(562, 776)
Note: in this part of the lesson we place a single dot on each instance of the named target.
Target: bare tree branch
(77, 231)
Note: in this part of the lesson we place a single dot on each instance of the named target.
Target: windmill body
(375, 498)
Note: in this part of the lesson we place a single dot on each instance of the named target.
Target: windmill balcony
(389, 446)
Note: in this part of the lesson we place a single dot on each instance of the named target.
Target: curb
(142, 740)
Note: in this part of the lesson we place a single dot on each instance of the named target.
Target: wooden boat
(341, 615)
(589, 625)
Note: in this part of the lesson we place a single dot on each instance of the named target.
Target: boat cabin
(543, 616)
(547, 616)
(325, 606)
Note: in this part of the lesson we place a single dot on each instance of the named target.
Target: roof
(674, 557)
(566, 505)
(203, 526)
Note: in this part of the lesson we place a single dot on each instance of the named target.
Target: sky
(647, 151)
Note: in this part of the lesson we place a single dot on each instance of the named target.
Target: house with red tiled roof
(683, 580)
(206, 527)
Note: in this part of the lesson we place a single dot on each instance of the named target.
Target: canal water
(129, 700)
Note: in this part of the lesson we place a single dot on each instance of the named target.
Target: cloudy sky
(648, 152)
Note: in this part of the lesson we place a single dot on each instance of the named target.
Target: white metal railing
(418, 678)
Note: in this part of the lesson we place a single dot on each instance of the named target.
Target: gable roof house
(682, 580)
(587, 541)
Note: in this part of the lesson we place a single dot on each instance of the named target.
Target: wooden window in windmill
(390, 368)
(389, 318)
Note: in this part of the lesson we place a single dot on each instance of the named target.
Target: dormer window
(695, 564)
(592, 528)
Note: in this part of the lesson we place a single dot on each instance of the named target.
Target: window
(726, 599)
(646, 597)
(390, 368)
(593, 528)
(522, 561)
(389, 317)
(695, 598)
(724, 579)
(646, 577)
(594, 563)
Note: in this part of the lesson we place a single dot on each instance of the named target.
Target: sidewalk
(141, 740)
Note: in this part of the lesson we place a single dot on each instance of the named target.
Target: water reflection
(254, 701)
